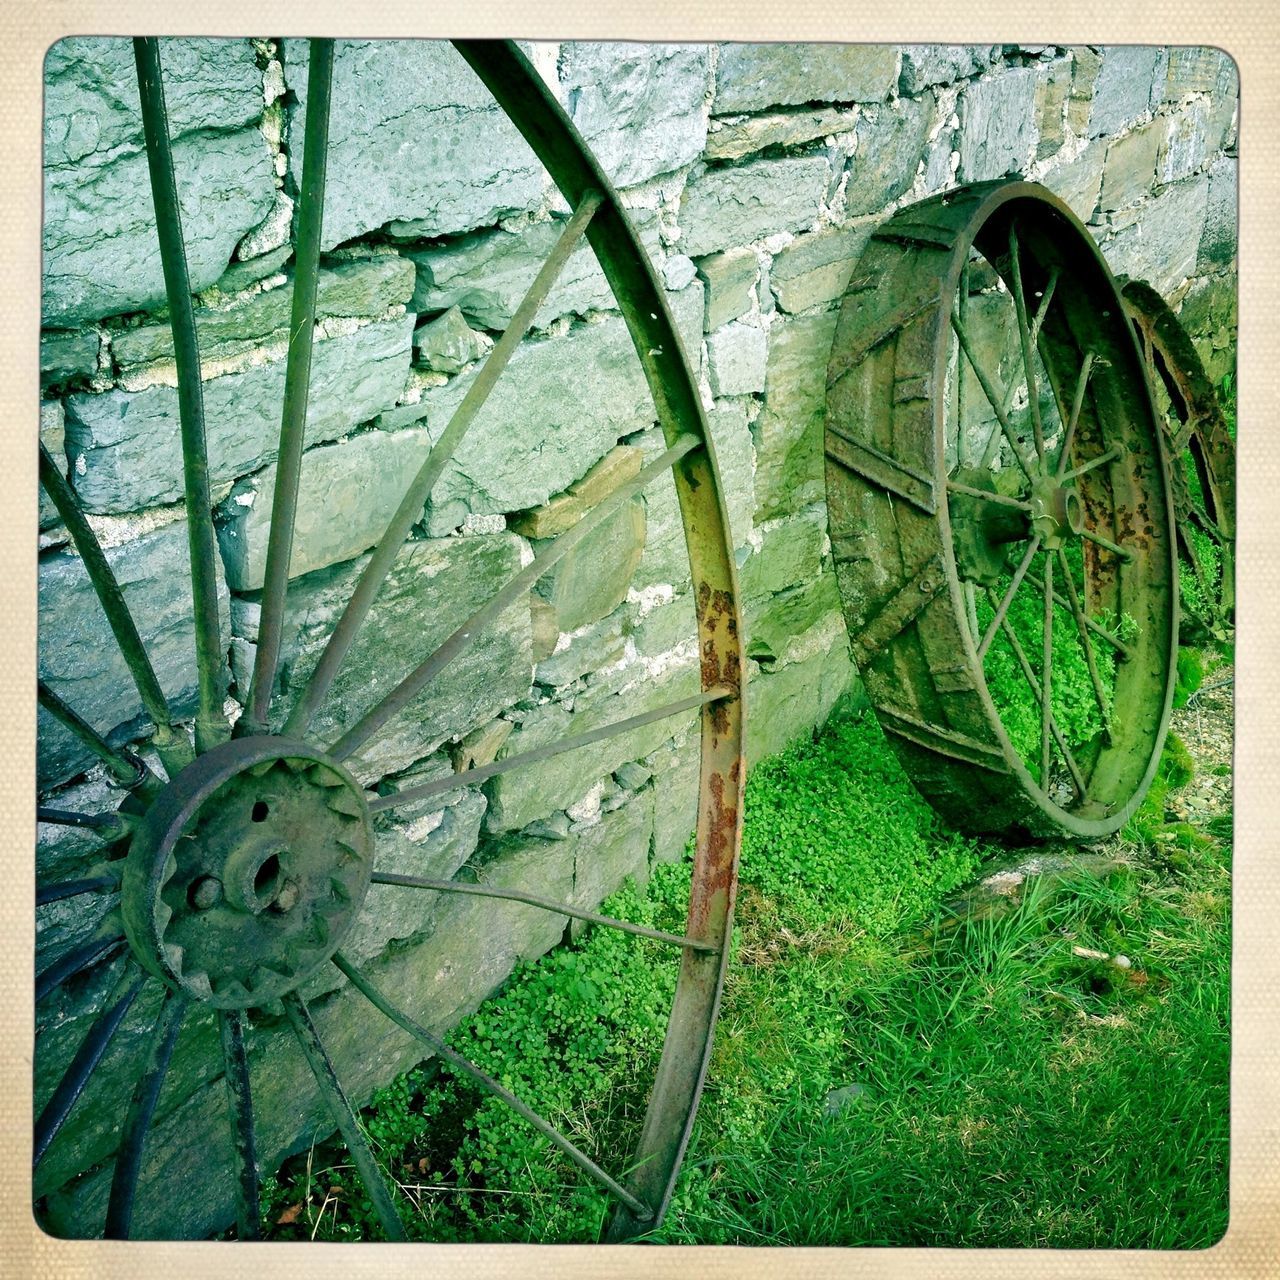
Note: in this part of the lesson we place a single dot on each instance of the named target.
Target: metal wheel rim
(645, 1188)
(1200, 442)
(909, 618)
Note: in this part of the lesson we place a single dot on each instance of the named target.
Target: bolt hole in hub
(234, 899)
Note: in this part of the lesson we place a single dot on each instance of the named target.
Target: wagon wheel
(999, 514)
(242, 875)
(1202, 457)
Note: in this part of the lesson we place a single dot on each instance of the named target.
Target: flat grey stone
(67, 355)
(1219, 240)
(599, 645)
(415, 139)
(366, 287)
(1130, 169)
(1122, 91)
(1079, 181)
(924, 65)
(790, 553)
(125, 446)
(890, 143)
(347, 494)
(77, 653)
(1052, 92)
(1161, 244)
(1196, 69)
(814, 269)
(736, 359)
(1185, 146)
(639, 107)
(750, 77)
(734, 206)
(997, 125)
(448, 344)
(734, 138)
(735, 457)
(730, 278)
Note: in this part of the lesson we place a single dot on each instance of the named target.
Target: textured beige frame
(1252, 1244)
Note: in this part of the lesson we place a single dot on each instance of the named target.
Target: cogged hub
(247, 871)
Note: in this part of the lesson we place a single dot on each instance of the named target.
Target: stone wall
(754, 175)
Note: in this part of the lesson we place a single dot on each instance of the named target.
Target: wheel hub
(1057, 513)
(247, 871)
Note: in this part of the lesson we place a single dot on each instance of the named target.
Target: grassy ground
(1049, 1069)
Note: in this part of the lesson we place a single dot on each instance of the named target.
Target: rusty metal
(1017, 391)
(249, 862)
(1202, 455)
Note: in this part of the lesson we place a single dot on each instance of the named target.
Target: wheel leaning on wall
(1000, 514)
(242, 869)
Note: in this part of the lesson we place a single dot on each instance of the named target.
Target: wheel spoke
(1030, 676)
(993, 399)
(125, 768)
(1122, 552)
(1046, 674)
(87, 1057)
(962, 310)
(111, 825)
(173, 747)
(1077, 405)
(989, 453)
(1007, 599)
(211, 724)
(124, 1181)
(75, 961)
(469, 777)
(1094, 463)
(971, 610)
(1086, 644)
(488, 1083)
(1028, 347)
(410, 508)
(73, 888)
(460, 640)
(1122, 649)
(344, 1116)
(999, 499)
(533, 900)
(297, 379)
(240, 1105)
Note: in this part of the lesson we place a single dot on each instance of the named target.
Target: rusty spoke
(490, 1085)
(419, 491)
(993, 398)
(1077, 405)
(533, 900)
(1029, 675)
(986, 495)
(77, 960)
(1024, 336)
(1046, 674)
(173, 747)
(461, 639)
(235, 1063)
(1086, 644)
(47, 893)
(1115, 548)
(111, 825)
(344, 1116)
(126, 769)
(1094, 463)
(124, 1181)
(211, 724)
(470, 777)
(86, 1058)
(1122, 649)
(1007, 599)
(296, 384)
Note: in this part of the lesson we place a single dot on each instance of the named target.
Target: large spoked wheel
(1202, 460)
(241, 856)
(1000, 516)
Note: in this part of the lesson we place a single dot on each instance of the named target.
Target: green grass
(999, 1088)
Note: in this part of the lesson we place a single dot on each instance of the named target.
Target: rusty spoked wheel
(241, 857)
(1202, 459)
(999, 513)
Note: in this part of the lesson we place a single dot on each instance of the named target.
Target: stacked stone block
(754, 175)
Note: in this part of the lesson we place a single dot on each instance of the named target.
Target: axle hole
(267, 880)
(259, 811)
